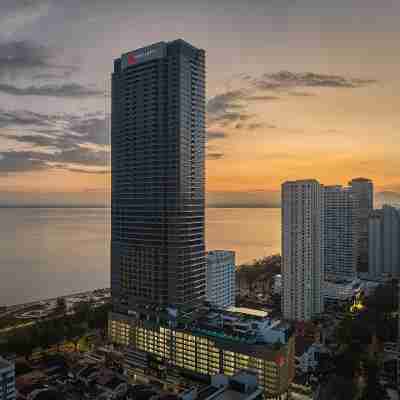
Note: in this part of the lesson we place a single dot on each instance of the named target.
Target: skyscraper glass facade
(158, 144)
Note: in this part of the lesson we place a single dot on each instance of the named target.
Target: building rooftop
(241, 386)
(230, 394)
(248, 312)
(302, 345)
(237, 326)
(5, 363)
(206, 393)
(114, 383)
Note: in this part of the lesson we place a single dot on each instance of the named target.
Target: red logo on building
(280, 361)
(131, 59)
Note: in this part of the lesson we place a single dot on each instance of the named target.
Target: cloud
(24, 56)
(93, 129)
(226, 107)
(301, 94)
(74, 90)
(72, 142)
(231, 106)
(88, 171)
(29, 161)
(55, 130)
(261, 98)
(284, 80)
(253, 126)
(35, 140)
(215, 156)
(81, 155)
(215, 135)
(231, 109)
(20, 161)
(23, 118)
(52, 75)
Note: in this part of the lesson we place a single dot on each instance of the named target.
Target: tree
(373, 390)
(82, 311)
(75, 333)
(61, 305)
(21, 343)
(98, 318)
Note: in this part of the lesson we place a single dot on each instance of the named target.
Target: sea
(50, 252)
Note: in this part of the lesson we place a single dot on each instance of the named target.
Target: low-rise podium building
(208, 341)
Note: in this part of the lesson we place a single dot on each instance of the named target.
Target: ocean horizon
(49, 252)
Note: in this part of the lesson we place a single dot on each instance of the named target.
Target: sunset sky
(295, 88)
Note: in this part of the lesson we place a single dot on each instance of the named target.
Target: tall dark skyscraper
(362, 190)
(158, 146)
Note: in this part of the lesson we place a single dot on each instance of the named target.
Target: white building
(341, 291)
(302, 249)
(241, 386)
(7, 380)
(277, 284)
(384, 242)
(340, 250)
(221, 278)
(307, 355)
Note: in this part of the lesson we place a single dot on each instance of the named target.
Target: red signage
(280, 361)
(131, 59)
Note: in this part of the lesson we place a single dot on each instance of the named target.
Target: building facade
(209, 343)
(362, 190)
(277, 284)
(341, 291)
(221, 278)
(7, 380)
(302, 249)
(340, 251)
(158, 145)
(384, 242)
(158, 262)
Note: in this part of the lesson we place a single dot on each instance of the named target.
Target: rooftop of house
(87, 371)
(238, 387)
(5, 363)
(302, 345)
(230, 394)
(50, 395)
(113, 383)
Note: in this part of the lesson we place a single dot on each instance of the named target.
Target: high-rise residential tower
(158, 258)
(7, 380)
(340, 254)
(384, 242)
(302, 249)
(362, 190)
(158, 146)
(221, 278)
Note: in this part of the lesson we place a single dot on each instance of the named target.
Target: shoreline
(14, 307)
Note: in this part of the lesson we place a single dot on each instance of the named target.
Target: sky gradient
(295, 88)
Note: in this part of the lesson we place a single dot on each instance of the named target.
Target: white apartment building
(277, 284)
(7, 380)
(384, 242)
(341, 291)
(221, 278)
(340, 250)
(302, 249)
(307, 355)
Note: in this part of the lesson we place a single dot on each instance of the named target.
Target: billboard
(144, 54)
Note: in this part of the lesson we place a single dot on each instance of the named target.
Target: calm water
(48, 252)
